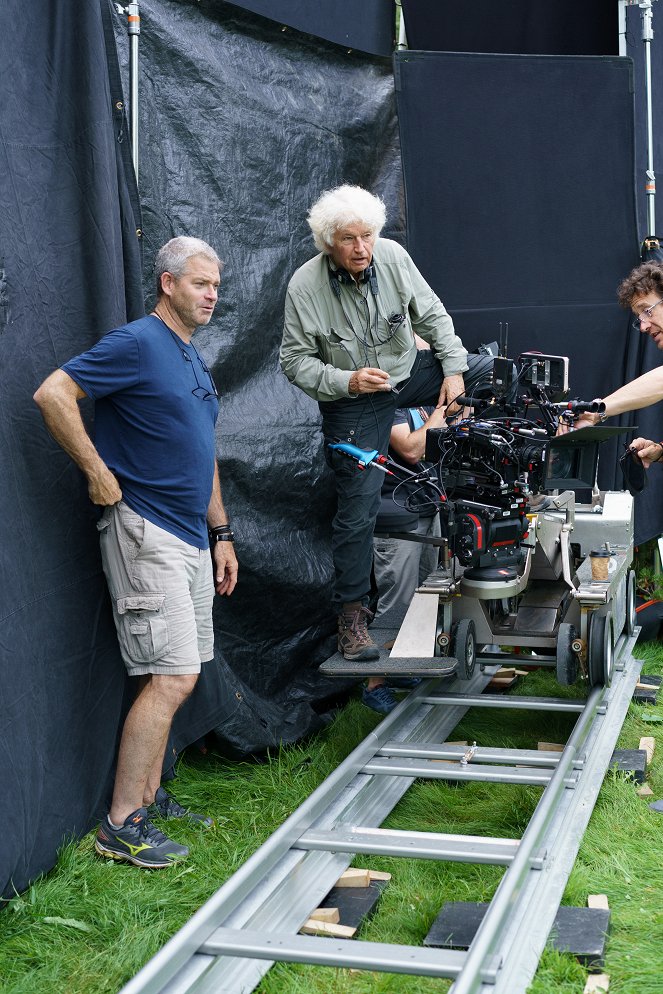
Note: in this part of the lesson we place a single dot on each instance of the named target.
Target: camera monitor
(572, 458)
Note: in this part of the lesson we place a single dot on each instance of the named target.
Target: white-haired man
(153, 469)
(351, 314)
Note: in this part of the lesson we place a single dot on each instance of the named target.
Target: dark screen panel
(520, 202)
(525, 27)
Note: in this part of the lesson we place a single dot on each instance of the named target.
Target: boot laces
(358, 623)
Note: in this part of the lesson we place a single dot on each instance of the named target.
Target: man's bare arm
(641, 392)
(411, 445)
(225, 560)
(57, 399)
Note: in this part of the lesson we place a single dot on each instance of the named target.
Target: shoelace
(169, 807)
(150, 832)
(358, 624)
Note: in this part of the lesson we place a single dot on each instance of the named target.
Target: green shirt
(325, 338)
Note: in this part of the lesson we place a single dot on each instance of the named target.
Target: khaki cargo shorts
(162, 591)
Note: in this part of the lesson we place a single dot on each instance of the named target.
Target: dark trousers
(366, 422)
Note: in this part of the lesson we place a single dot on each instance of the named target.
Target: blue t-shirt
(150, 429)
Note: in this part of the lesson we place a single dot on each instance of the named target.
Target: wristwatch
(222, 533)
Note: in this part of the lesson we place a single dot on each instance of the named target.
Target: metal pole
(133, 22)
(650, 184)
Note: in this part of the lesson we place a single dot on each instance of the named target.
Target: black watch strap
(222, 533)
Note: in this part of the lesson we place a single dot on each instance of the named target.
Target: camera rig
(503, 478)
(489, 465)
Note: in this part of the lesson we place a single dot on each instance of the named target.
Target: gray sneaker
(165, 806)
(354, 642)
(138, 842)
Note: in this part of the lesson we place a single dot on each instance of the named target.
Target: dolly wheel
(631, 616)
(600, 653)
(465, 647)
(567, 661)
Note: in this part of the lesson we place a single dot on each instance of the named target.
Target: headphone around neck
(342, 276)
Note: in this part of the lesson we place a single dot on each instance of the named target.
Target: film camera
(489, 466)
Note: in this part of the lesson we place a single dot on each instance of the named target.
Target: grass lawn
(90, 924)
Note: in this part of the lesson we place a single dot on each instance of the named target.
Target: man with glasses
(153, 469)
(642, 293)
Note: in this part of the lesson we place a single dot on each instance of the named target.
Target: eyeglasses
(199, 390)
(646, 312)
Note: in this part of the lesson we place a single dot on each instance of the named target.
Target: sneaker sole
(128, 858)
(364, 655)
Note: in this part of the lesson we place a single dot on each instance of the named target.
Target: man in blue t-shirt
(152, 467)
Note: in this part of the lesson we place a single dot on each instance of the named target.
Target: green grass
(89, 926)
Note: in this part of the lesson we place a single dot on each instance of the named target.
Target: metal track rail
(253, 920)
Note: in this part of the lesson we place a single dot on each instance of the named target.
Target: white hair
(345, 205)
(174, 255)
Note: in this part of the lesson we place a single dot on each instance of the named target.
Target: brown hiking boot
(354, 642)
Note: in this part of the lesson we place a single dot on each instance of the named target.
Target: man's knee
(173, 690)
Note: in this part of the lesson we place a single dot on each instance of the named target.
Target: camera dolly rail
(253, 920)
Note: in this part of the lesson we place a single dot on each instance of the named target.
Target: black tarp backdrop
(70, 262)
(536, 27)
(242, 126)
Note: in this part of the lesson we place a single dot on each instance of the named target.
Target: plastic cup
(600, 560)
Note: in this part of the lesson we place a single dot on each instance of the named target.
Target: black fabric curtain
(70, 269)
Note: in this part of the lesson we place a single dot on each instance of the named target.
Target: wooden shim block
(550, 746)
(313, 927)
(597, 982)
(502, 681)
(522, 672)
(647, 686)
(354, 878)
(644, 790)
(506, 671)
(648, 743)
(379, 875)
(463, 743)
(326, 915)
(598, 901)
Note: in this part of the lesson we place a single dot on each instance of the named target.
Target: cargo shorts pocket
(142, 626)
